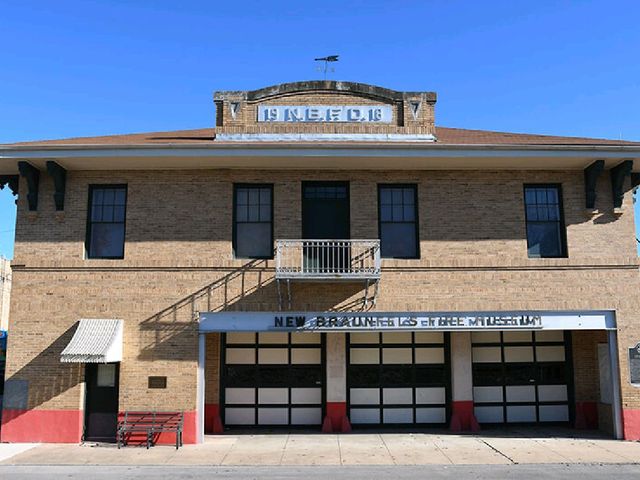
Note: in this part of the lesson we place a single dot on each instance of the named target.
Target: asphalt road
(493, 472)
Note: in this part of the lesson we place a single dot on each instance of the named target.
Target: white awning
(96, 340)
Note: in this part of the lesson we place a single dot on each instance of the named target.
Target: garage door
(271, 379)
(521, 377)
(398, 378)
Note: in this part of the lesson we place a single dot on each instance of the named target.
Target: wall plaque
(634, 365)
(325, 113)
(157, 382)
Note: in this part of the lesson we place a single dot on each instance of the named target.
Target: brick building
(326, 257)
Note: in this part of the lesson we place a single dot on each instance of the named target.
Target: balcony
(328, 261)
(334, 260)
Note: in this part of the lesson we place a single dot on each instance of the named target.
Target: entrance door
(101, 401)
(272, 379)
(522, 377)
(398, 378)
(325, 216)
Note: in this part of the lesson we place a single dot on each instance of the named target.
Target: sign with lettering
(330, 322)
(325, 113)
(157, 382)
(402, 321)
(634, 364)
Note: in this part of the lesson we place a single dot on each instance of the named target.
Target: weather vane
(328, 59)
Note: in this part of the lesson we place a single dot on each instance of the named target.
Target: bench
(151, 425)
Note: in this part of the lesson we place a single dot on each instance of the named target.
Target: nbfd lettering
(313, 114)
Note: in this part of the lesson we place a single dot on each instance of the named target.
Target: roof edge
(322, 85)
(329, 146)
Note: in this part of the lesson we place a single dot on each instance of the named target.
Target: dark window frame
(413, 186)
(563, 227)
(90, 222)
(325, 183)
(234, 235)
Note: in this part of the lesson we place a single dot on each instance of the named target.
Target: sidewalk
(342, 449)
(8, 450)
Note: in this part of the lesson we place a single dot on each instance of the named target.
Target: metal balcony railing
(328, 259)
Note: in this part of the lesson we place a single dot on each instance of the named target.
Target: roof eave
(425, 146)
(392, 156)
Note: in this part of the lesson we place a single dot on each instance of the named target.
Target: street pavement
(492, 472)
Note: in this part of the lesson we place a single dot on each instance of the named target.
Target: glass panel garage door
(398, 378)
(522, 377)
(272, 379)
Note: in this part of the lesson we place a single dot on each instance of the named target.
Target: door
(398, 378)
(522, 377)
(272, 379)
(101, 401)
(325, 216)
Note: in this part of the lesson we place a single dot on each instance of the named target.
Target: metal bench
(151, 424)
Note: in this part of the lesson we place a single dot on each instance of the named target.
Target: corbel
(591, 174)
(618, 174)
(32, 175)
(59, 175)
(11, 181)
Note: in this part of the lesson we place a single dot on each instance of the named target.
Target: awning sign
(358, 321)
(409, 322)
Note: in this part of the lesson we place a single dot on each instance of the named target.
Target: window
(545, 223)
(106, 220)
(253, 221)
(398, 221)
(106, 375)
(325, 190)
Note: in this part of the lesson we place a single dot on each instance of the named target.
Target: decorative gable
(325, 110)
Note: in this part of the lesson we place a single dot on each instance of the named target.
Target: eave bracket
(618, 174)
(59, 175)
(591, 174)
(11, 181)
(32, 175)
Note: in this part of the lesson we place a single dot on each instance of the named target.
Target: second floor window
(106, 221)
(397, 207)
(253, 221)
(545, 222)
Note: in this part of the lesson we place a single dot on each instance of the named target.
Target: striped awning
(96, 340)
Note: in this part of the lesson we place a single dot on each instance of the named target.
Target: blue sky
(97, 67)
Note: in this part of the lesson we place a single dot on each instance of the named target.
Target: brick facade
(5, 292)
(237, 112)
(178, 261)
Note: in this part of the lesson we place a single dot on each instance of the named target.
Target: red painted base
(586, 415)
(631, 423)
(463, 418)
(212, 420)
(46, 426)
(336, 420)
